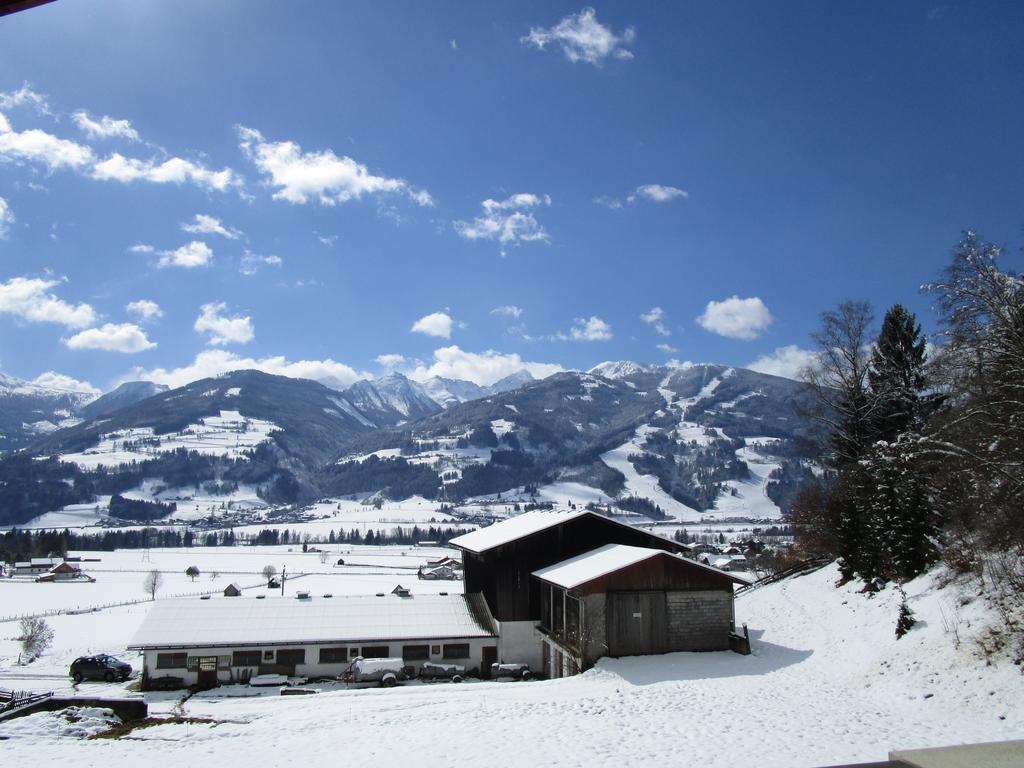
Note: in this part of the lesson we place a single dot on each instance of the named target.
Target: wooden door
(637, 623)
(489, 656)
(207, 672)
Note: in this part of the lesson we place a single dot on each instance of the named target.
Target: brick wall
(699, 621)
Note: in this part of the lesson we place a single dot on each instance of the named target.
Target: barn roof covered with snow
(190, 623)
(530, 523)
(610, 558)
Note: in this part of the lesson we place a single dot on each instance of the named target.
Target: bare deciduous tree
(839, 379)
(152, 583)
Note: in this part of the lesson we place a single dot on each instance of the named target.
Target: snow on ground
(827, 683)
(645, 485)
(229, 434)
(119, 575)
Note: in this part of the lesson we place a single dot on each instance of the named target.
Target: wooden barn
(505, 563)
(619, 600)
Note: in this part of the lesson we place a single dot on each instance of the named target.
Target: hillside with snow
(827, 683)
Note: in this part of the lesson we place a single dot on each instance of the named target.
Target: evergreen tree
(896, 375)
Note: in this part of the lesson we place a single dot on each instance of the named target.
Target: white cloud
(39, 146)
(105, 127)
(6, 218)
(613, 203)
(189, 256)
(328, 240)
(434, 324)
(667, 348)
(583, 38)
(222, 329)
(202, 224)
(145, 309)
(25, 96)
(54, 380)
(390, 361)
(657, 193)
(142, 248)
(508, 310)
(113, 337)
(786, 361)
(482, 368)
(592, 328)
(509, 221)
(736, 318)
(252, 262)
(322, 176)
(176, 170)
(654, 319)
(214, 362)
(29, 299)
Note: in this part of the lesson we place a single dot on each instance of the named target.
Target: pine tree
(896, 375)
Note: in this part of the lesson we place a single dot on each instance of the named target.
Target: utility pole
(284, 568)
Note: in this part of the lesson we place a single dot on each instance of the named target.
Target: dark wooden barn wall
(502, 574)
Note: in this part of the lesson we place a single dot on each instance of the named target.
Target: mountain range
(662, 441)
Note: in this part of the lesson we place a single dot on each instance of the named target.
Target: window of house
(333, 655)
(246, 658)
(415, 652)
(268, 655)
(291, 656)
(456, 650)
(171, 660)
(435, 649)
(375, 651)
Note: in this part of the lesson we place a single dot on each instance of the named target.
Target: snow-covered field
(827, 683)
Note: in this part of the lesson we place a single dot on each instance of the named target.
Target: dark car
(101, 667)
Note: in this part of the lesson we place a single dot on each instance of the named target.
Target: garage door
(637, 623)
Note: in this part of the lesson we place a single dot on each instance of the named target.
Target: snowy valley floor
(827, 683)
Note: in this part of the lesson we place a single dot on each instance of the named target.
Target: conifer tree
(896, 375)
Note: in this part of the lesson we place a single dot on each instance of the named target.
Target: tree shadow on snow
(648, 670)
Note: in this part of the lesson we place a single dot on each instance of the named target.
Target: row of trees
(926, 440)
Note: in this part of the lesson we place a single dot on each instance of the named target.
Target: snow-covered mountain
(390, 399)
(662, 441)
(28, 410)
(120, 397)
(449, 392)
(619, 369)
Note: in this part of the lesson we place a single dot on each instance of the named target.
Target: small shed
(401, 591)
(232, 590)
(620, 600)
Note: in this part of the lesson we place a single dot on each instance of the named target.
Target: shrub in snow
(906, 619)
(36, 636)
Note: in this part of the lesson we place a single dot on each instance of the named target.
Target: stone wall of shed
(699, 621)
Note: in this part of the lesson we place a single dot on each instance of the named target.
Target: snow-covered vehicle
(387, 672)
(515, 671)
(432, 671)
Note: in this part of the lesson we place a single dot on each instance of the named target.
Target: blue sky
(465, 189)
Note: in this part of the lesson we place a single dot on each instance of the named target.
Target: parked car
(100, 667)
